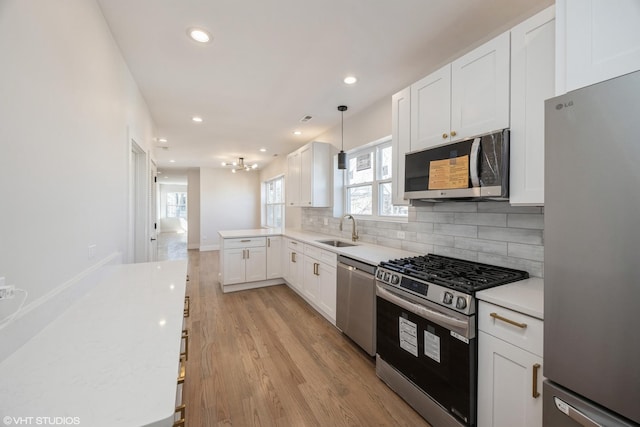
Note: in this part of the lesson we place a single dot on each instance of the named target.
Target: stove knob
(447, 298)
(395, 279)
(387, 276)
(461, 303)
(379, 274)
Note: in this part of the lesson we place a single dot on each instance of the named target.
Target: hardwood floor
(264, 357)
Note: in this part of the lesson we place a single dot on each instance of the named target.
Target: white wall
(193, 208)
(67, 106)
(227, 202)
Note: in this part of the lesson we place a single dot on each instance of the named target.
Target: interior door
(153, 211)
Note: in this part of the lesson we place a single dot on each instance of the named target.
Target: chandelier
(240, 165)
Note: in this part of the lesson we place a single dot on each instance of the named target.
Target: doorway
(172, 214)
(138, 246)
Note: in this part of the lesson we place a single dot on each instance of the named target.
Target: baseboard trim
(209, 248)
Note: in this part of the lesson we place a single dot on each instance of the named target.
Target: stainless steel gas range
(426, 332)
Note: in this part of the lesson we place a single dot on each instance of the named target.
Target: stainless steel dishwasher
(356, 302)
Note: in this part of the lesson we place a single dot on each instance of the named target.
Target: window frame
(376, 148)
(266, 203)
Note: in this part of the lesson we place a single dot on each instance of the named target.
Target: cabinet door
(295, 260)
(505, 384)
(480, 90)
(532, 82)
(293, 179)
(274, 257)
(306, 176)
(400, 141)
(310, 281)
(327, 285)
(431, 109)
(600, 40)
(234, 266)
(256, 264)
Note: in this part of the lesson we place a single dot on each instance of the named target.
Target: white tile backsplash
(489, 232)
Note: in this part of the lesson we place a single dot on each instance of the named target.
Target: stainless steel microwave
(476, 168)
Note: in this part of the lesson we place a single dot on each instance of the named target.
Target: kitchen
(100, 188)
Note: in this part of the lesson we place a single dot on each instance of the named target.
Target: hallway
(172, 245)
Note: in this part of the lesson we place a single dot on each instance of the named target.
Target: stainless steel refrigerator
(592, 256)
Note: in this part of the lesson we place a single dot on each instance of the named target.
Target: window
(273, 196)
(368, 190)
(176, 205)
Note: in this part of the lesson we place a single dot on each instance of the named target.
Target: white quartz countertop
(365, 252)
(525, 296)
(111, 359)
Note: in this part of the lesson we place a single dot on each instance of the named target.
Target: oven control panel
(442, 295)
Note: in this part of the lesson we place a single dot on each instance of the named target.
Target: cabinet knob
(445, 136)
(453, 133)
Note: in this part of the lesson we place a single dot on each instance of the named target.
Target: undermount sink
(336, 243)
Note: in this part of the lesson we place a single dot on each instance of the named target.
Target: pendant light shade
(342, 156)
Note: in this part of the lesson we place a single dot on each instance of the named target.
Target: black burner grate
(465, 276)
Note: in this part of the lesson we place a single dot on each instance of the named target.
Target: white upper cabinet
(532, 82)
(480, 90)
(431, 109)
(466, 98)
(309, 176)
(597, 40)
(401, 141)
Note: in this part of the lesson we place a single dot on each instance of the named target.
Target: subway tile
(419, 205)
(535, 221)
(479, 245)
(391, 243)
(456, 230)
(455, 253)
(435, 239)
(456, 207)
(516, 235)
(493, 219)
(530, 252)
(505, 207)
(420, 227)
(534, 268)
(420, 248)
(441, 217)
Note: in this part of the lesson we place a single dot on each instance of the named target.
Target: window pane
(360, 200)
(277, 215)
(385, 163)
(360, 168)
(386, 205)
(269, 212)
(278, 196)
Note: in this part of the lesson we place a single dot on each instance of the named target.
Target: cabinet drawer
(296, 246)
(325, 257)
(247, 242)
(516, 328)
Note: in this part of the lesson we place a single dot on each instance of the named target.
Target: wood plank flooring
(264, 357)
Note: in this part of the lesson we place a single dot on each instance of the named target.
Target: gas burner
(465, 276)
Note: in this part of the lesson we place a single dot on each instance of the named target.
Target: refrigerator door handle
(574, 414)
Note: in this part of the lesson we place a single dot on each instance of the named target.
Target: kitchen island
(111, 359)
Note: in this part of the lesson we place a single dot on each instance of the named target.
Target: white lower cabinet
(509, 368)
(294, 264)
(320, 280)
(243, 260)
(274, 257)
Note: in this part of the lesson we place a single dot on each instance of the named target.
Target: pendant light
(342, 156)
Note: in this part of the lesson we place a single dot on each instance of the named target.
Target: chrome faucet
(354, 229)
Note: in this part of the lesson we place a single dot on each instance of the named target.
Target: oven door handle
(424, 312)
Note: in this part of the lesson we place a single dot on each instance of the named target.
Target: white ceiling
(272, 62)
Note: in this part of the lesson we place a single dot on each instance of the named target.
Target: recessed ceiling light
(263, 150)
(199, 35)
(350, 80)
(197, 119)
(172, 161)
(162, 140)
(297, 132)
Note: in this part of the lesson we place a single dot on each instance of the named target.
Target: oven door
(428, 346)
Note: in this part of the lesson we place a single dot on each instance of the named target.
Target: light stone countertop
(111, 359)
(525, 296)
(365, 252)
